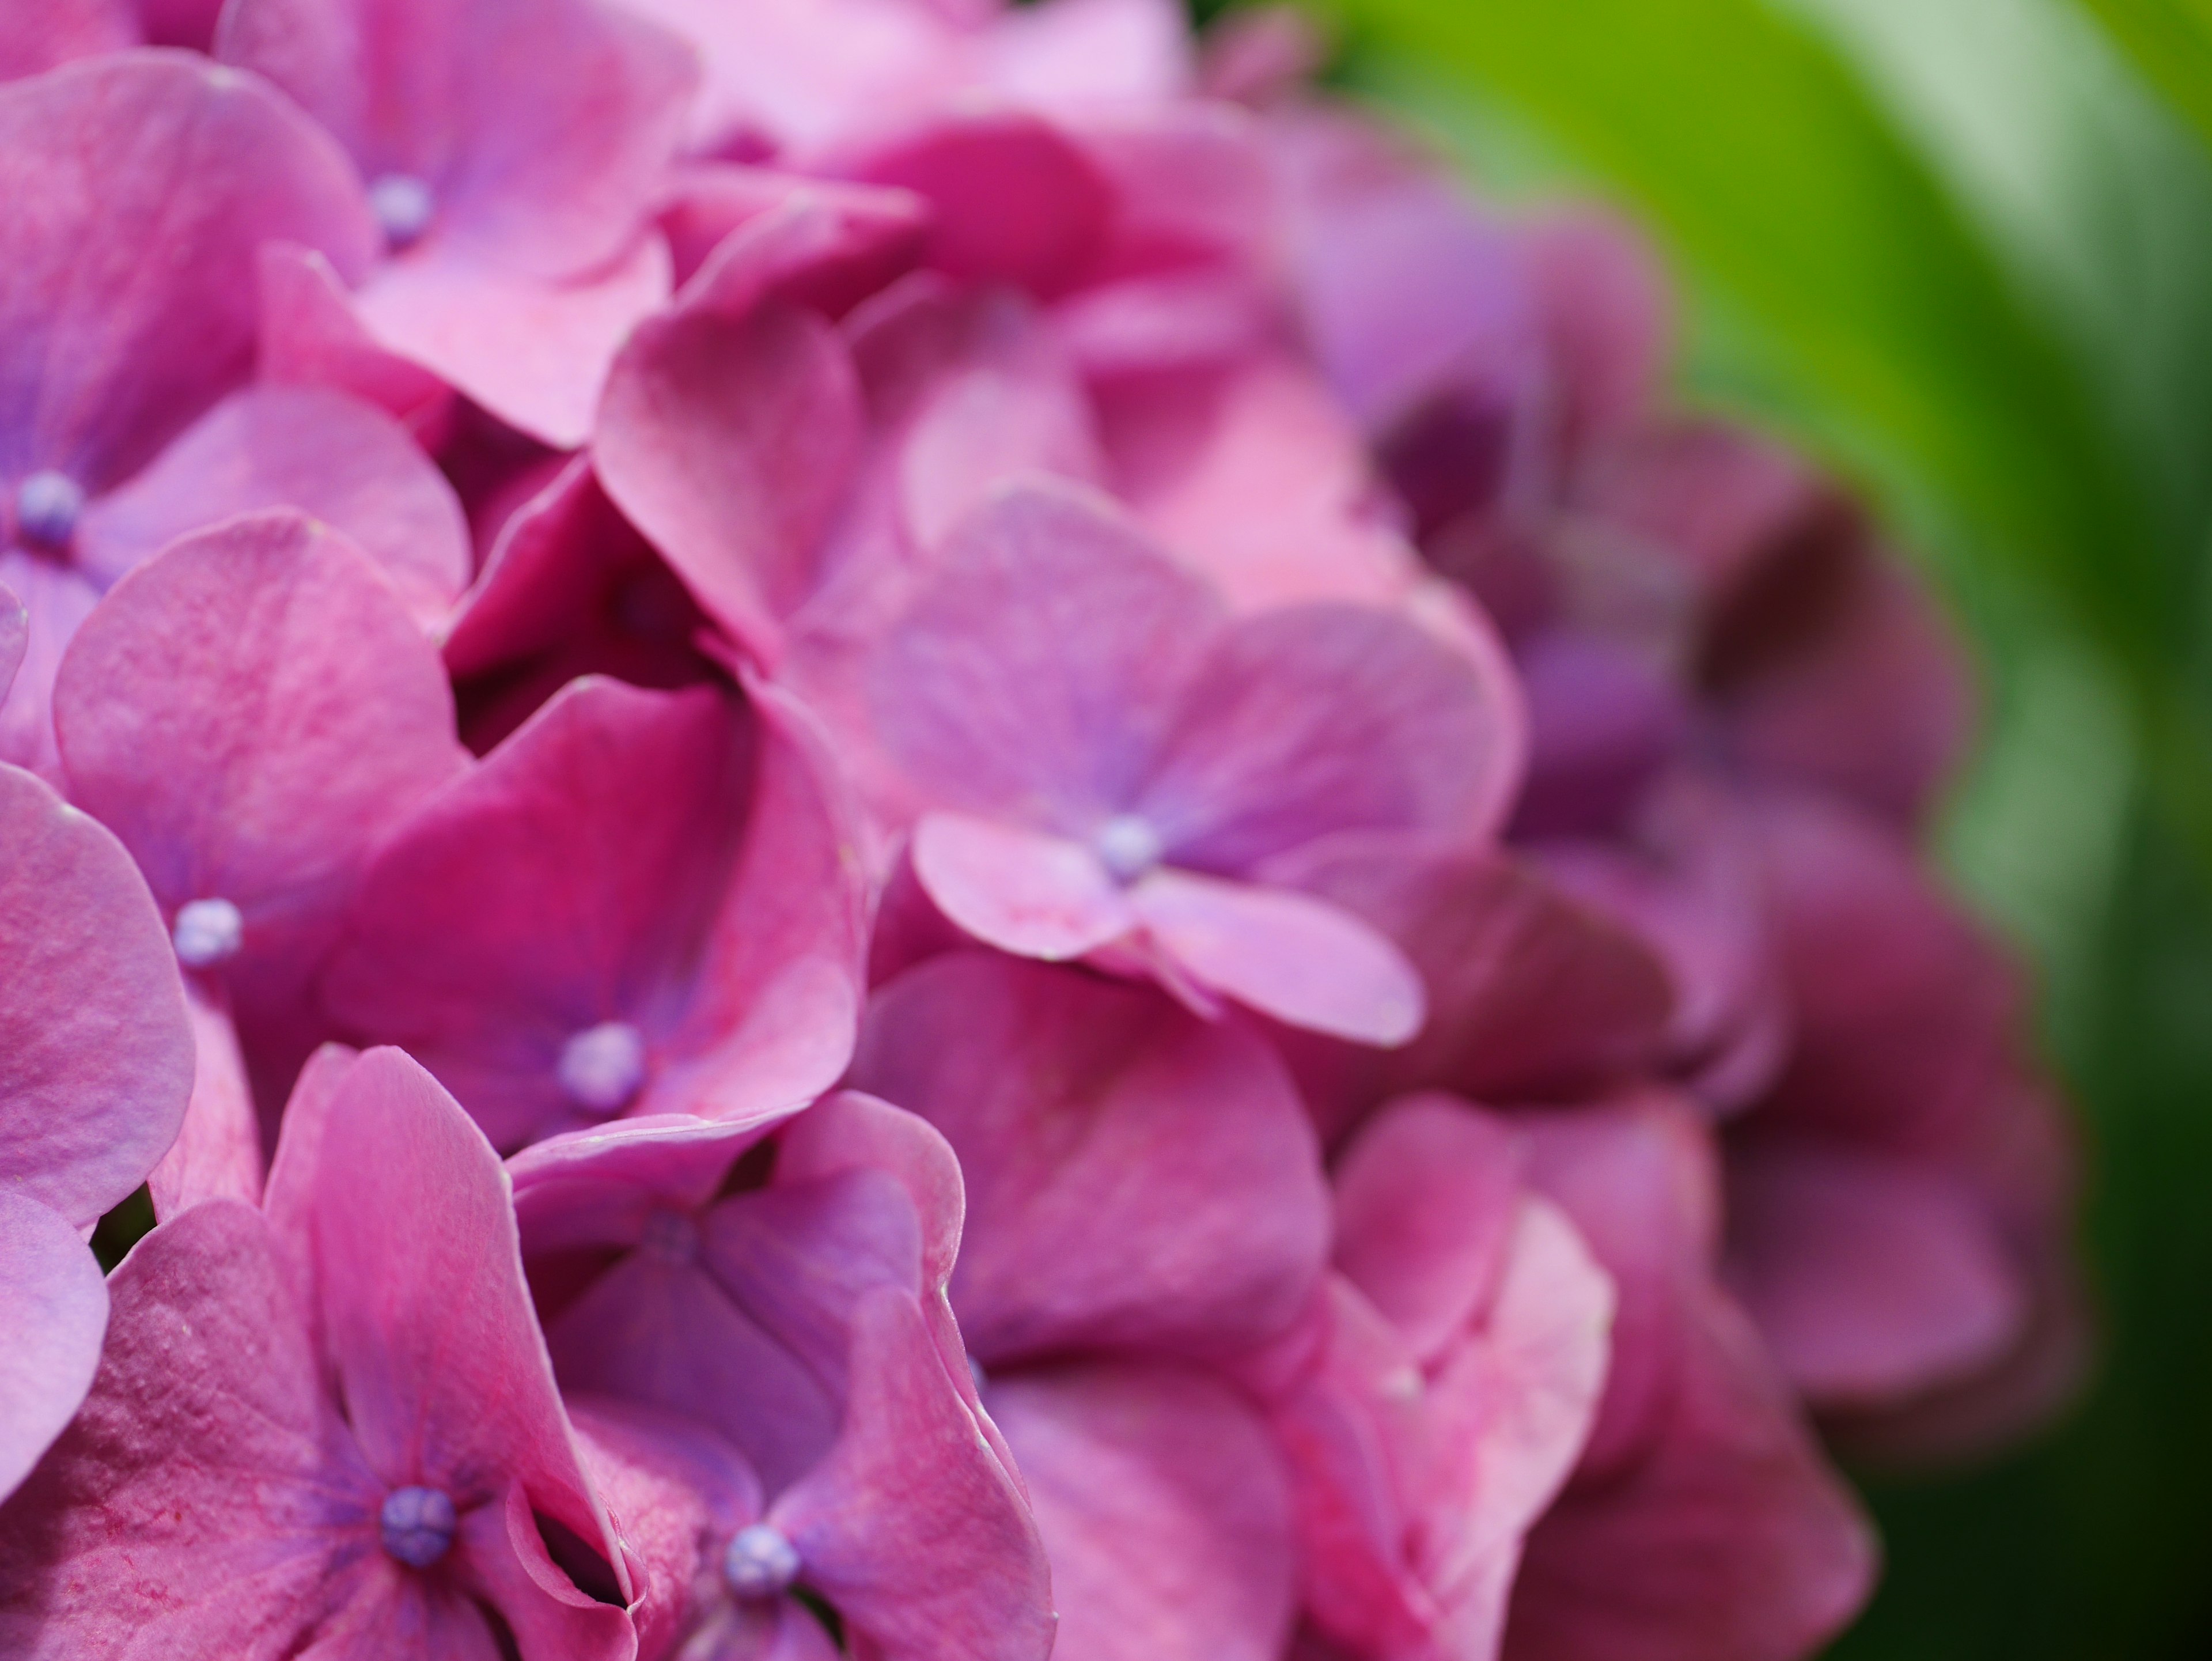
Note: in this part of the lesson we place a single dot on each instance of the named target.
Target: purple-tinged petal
(729, 426)
(911, 1529)
(53, 1306)
(1159, 1163)
(15, 638)
(202, 1500)
(1602, 726)
(159, 176)
(252, 712)
(1531, 994)
(535, 354)
(1608, 320)
(537, 133)
(1015, 200)
(427, 1315)
(37, 37)
(1034, 895)
(339, 461)
(661, 860)
(217, 1153)
(56, 600)
(1040, 672)
(1311, 721)
(1166, 1510)
(1870, 1279)
(1303, 961)
(95, 1051)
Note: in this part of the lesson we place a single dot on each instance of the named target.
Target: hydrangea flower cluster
(901, 829)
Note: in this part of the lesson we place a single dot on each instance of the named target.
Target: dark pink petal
(1303, 961)
(1015, 199)
(15, 638)
(911, 1528)
(428, 1319)
(54, 1304)
(1602, 725)
(729, 429)
(159, 176)
(540, 133)
(1531, 994)
(1034, 895)
(1041, 671)
(838, 243)
(217, 1154)
(253, 712)
(534, 353)
(1159, 1163)
(95, 1053)
(35, 37)
(1310, 721)
(202, 1499)
(629, 856)
(1608, 320)
(332, 458)
(1166, 1510)
(1870, 1279)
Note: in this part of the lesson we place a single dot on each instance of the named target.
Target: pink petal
(1303, 961)
(251, 713)
(1039, 673)
(338, 460)
(534, 353)
(822, 242)
(311, 336)
(539, 133)
(1609, 315)
(1164, 1504)
(54, 1304)
(56, 599)
(201, 1501)
(37, 38)
(217, 1154)
(419, 1278)
(727, 430)
(1074, 53)
(1310, 721)
(911, 1528)
(100, 375)
(96, 1054)
(1159, 1163)
(1015, 200)
(1870, 1279)
(1033, 895)
(15, 638)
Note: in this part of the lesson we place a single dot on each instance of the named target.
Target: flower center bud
(602, 1067)
(403, 206)
(669, 1236)
(208, 933)
(760, 1562)
(418, 1526)
(1127, 847)
(47, 506)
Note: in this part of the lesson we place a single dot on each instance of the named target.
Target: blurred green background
(1962, 249)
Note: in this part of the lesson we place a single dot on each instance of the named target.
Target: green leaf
(2170, 41)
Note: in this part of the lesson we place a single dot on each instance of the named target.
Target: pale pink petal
(53, 1306)
(1023, 891)
(1303, 961)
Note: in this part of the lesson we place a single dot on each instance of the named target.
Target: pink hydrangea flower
(328, 1426)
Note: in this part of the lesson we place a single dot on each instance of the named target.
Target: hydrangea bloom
(922, 830)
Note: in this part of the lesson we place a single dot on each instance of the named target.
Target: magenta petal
(14, 636)
(539, 132)
(311, 336)
(534, 354)
(252, 712)
(726, 435)
(36, 37)
(1164, 1507)
(1303, 961)
(99, 375)
(95, 1053)
(419, 1275)
(201, 1501)
(217, 1154)
(1034, 895)
(338, 460)
(1158, 1162)
(1870, 1279)
(911, 1528)
(54, 1304)
(56, 598)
